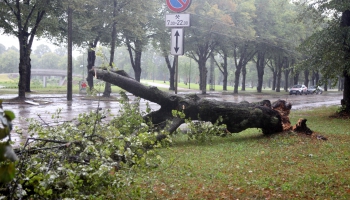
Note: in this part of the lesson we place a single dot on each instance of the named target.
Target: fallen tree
(269, 117)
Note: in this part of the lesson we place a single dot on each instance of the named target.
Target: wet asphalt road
(49, 104)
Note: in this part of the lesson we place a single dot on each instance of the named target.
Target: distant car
(314, 90)
(298, 89)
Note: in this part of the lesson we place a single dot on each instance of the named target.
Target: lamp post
(83, 68)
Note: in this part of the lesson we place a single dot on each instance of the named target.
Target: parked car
(314, 90)
(298, 89)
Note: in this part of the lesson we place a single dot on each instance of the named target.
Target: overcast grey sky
(9, 41)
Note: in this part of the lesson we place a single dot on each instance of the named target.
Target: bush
(86, 158)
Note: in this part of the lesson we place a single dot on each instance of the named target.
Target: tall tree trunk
(135, 57)
(171, 69)
(260, 66)
(240, 59)
(91, 58)
(24, 58)
(244, 75)
(225, 74)
(70, 58)
(203, 75)
(29, 69)
(306, 75)
(138, 54)
(237, 74)
(212, 73)
(108, 90)
(317, 78)
(223, 69)
(274, 79)
(345, 102)
(296, 78)
(279, 67)
(313, 77)
(286, 74)
(25, 39)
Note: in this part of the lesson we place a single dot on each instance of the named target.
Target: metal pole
(176, 71)
(83, 67)
(189, 80)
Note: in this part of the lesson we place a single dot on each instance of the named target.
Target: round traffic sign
(178, 5)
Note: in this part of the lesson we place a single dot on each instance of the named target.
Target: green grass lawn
(11, 87)
(249, 165)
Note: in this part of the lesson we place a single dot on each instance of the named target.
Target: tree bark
(70, 58)
(135, 56)
(91, 61)
(223, 69)
(244, 75)
(108, 90)
(241, 59)
(296, 78)
(306, 75)
(271, 118)
(171, 69)
(260, 67)
(345, 102)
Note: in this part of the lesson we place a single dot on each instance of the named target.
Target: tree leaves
(7, 171)
(7, 165)
(7, 155)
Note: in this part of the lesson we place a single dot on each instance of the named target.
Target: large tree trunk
(260, 67)
(91, 61)
(274, 78)
(224, 74)
(108, 90)
(203, 71)
(237, 116)
(345, 102)
(296, 78)
(223, 69)
(171, 69)
(25, 33)
(286, 74)
(135, 57)
(306, 75)
(279, 66)
(70, 58)
(24, 59)
(29, 70)
(241, 59)
(244, 75)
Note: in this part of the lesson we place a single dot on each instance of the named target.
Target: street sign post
(177, 20)
(177, 41)
(178, 5)
(177, 34)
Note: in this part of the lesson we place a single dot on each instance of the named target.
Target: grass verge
(249, 165)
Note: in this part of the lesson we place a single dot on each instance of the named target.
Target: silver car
(298, 89)
(314, 90)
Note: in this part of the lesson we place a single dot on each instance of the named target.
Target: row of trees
(153, 65)
(265, 32)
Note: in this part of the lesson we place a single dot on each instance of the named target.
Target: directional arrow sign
(177, 41)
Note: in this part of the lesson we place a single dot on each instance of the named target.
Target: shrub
(85, 159)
